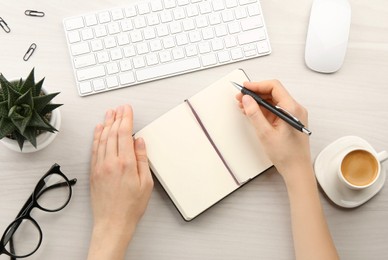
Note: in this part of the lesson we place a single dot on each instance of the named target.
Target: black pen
(278, 111)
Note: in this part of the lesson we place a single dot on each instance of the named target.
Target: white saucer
(326, 166)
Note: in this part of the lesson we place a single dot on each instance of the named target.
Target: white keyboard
(150, 40)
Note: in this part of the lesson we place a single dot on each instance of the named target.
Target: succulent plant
(25, 110)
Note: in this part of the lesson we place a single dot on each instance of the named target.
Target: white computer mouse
(327, 35)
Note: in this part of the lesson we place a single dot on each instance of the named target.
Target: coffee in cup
(360, 168)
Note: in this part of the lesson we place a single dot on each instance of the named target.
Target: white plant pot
(42, 140)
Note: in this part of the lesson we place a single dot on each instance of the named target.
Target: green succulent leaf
(20, 116)
(30, 135)
(6, 127)
(41, 101)
(3, 109)
(20, 83)
(26, 99)
(38, 88)
(29, 83)
(19, 138)
(40, 122)
(5, 85)
(13, 95)
(49, 108)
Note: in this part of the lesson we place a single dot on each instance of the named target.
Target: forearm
(312, 239)
(108, 244)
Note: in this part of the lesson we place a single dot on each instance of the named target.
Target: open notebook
(205, 148)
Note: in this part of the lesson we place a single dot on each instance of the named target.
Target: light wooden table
(254, 222)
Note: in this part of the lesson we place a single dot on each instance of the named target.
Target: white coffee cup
(360, 168)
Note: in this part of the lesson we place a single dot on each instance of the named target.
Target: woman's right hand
(287, 148)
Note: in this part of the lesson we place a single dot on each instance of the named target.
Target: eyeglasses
(23, 236)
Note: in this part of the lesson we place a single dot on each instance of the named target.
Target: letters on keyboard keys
(154, 39)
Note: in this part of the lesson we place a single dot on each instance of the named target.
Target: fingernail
(99, 128)
(108, 114)
(139, 143)
(120, 110)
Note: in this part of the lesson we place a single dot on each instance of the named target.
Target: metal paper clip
(29, 52)
(34, 13)
(4, 25)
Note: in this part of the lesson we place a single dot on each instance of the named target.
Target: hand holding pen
(275, 109)
(287, 148)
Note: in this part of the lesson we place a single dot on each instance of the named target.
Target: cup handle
(382, 156)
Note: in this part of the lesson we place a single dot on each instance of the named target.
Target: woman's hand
(120, 184)
(285, 146)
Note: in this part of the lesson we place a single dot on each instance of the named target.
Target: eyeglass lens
(55, 192)
(25, 235)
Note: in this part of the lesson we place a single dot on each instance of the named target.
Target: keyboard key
(205, 7)
(251, 36)
(253, 9)
(165, 56)
(169, 4)
(209, 59)
(218, 5)
(96, 45)
(109, 42)
(113, 28)
(130, 11)
(152, 59)
(129, 51)
(117, 14)
(168, 69)
(102, 57)
(112, 82)
(98, 84)
(84, 61)
(178, 53)
(80, 48)
(191, 50)
(204, 47)
(74, 23)
(104, 17)
(122, 39)
(125, 65)
(126, 25)
(115, 54)
(156, 5)
(143, 8)
(85, 87)
(73, 37)
(112, 68)
(262, 47)
(138, 62)
(251, 23)
(127, 78)
(90, 73)
(100, 31)
(90, 20)
(245, 2)
(237, 53)
(87, 34)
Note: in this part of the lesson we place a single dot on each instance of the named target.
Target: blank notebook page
(229, 128)
(185, 162)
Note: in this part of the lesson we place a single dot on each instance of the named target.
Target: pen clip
(286, 113)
